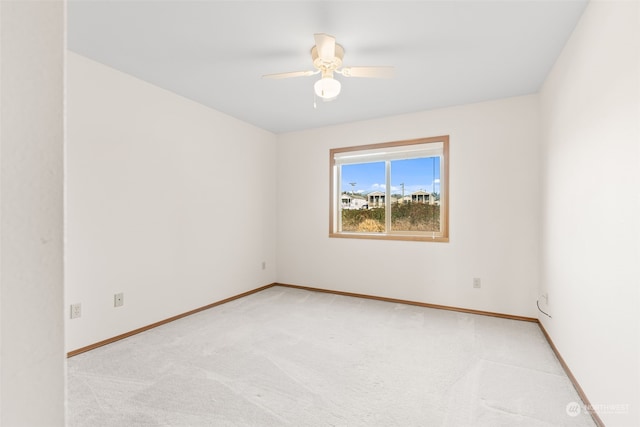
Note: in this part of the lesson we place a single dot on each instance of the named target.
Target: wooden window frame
(334, 193)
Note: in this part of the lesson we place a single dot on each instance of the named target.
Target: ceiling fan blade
(326, 45)
(290, 74)
(375, 72)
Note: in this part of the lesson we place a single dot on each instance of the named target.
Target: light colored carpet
(288, 357)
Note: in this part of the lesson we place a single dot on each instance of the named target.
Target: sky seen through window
(416, 174)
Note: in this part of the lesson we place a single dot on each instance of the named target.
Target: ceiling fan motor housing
(327, 64)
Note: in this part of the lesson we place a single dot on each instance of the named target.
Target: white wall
(591, 213)
(168, 201)
(494, 212)
(32, 362)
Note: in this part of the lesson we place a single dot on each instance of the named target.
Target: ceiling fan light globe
(327, 88)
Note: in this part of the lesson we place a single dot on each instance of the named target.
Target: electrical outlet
(118, 300)
(76, 311)
(545, 297)
(476, 283)
(264, 265)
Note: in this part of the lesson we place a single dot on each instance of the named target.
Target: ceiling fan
(327, 58)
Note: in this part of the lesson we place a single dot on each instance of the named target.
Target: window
(395, 190)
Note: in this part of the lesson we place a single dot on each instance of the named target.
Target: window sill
(386, 236)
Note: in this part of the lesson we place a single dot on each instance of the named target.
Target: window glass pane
(415, 198)
(362, 197)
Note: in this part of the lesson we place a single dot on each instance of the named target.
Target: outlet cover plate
(76, 311)
(118, 300)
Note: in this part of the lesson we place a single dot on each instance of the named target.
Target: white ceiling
(215, 52)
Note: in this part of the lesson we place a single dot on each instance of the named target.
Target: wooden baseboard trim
(408, 302)
(574, 381)
(165, 321)
(307, 288)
